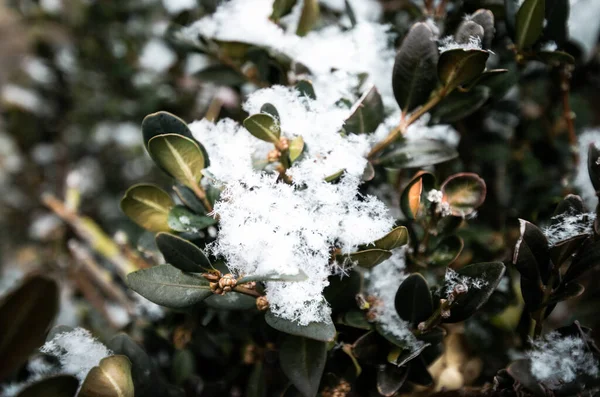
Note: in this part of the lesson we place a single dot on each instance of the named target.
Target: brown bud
(273, 156)
(227, 282)
(284, 144)
(212, 276)
(262, 303)
(460, 289)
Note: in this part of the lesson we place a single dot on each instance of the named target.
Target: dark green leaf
(309, 17)
(356, 319)
(433, 336)
(350, 13)
(366, 114)
(485, 18)
(270, 109)
(231, 301)
(221, 75)
(264, 127)
(459, 105)
(390, 336)
(566, 291)
(572, 203)
(181, 219)
(446, 251)
(183, 366)
(189, 199)
(341, 291)
(167, 286)
(458, 66)
(410, 200)
(322, 331)
(25, 316)
(305, 88)
(414, 77)
(418, 372)
(464, 192)
(413, 300)
(148, 206)
(400, 357)
(557, 15)
(55, 386)
(532, 256)
(563, 251)
(370, 257)
(521, 371)
(161, 123)
(529, 23)
(394, 239)
(390, 379)
(182, 254)
(281, 8)
(178, 156)
(586, 259)
(111, 378)
(555, 58)
(418, 153)
(303, 361)
(468, 303)
(370, 348)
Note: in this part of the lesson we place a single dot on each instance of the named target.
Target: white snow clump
(569, 225)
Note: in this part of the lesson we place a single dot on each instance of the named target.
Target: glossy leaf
(322, 331)
(148, 206)
(334, 177)
(413, 300)
(413, 76)
(270, 109)
(296, 148)
(529, 23)
(178, 156)
(303, 361)
(182, 254)
(410, 200)
(282, 8)
(459, 105)
(26, 314)
(446, 251)
(390, 379)
(532, 256)
(458, 67)
(264, 127)
(417, 154)
(309, 17)
(181, 219)
(367, 114)
(111, 378)
(467, 304)
(394, 239)
(563, 251)
(555, 58)
(189, 198)
(485, 18)
(161, 123)
(55, 386)
(231, 301)
(464, 192)
(356, 319)
(370, 257)
(168, 286)
(401, 357)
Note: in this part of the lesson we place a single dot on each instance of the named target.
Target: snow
(582, 178)
(448, 43)
(435, 196)
(569, 225)
(77, 351)
(556, 360)
(156, 56)
(177, 6)
(364, 10)
(22, 97)
(452, 279)
(268, 226)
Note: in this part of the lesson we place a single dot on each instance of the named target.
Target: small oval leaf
(417, 153)
(529, 23)
(369, 258)
(394, 239)
(410, 200)
(111, 378)
(181, 219)
(413, 300)
(148, 206)
(458, 66)
(178, 156)
(182, 254)
(464, 192)
(264, 127)
(303, 361)
(367, 114)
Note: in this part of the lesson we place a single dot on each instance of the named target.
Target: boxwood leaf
(401, 357)
(467, 30)
(410, 200)
(55, 386)
(181, 219)
(418, 372)
(555, 58)
(178, 156)
(305, 88)
(532, 256)
(111, 378)
(413, 300)
(148, 206)
(417, 153)
(394, 239)
(566, 291)
(161, 123)
(467, 304)
(321, 331)
(390, 379)
(303, 361)
(459, 105)
(281, 8)
(529, 23)
(264, 127)
(413, 76)
(182, 254)
(309, 17)
(167, 286)
(587, 258)
(464, 192)
(189, 198)
(446, 251)
(370, 257)
(521, 371)
(296, 148)
(366, 114)
(231, 301)
(25, 316)
(458, 66)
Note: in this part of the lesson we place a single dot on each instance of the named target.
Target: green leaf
(521, 371)
(322, 331)
(167, 286)
(221, 75)
(296, 148)
(490, 78)
(529, 23)
(394, 239)
(587, 258)
(458, 67)
(390, 379)
(257, 386)
(182, 254)
(183, 366)
(367, 114)
(400, 357)
(309, 17)
(557, 16)
(413, 300)
(350, 12)
(178, 156)
(413, 76)
(231, 301)
(303, 361)
(464, 192)
(189, 198)
(270, 109)
(334, 177)
(306, 89)
(459, 105)
(532, 256)
(417, 154)
(355, 319)
(410, 200)
(485, 18)
(264, 127)
(555, 58)
(300, 276)
(468, 303)
(161, 123)
(148, 206)
(446, 251)
(111, 378)
(566, 291)
(181, 219)
(55, 386)
(370, 257)
(281, 8)
(25, 316)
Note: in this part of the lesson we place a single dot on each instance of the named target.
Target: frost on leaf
(556, 360)
(453, 279)
(267, 226)
(448, 43)
(77, 351)
(569, 225)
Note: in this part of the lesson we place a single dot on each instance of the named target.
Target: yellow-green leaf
(309, 17)
(264, 127)
(148, 206)
(179, 157)
(394, 239)
(111, 378)
(296, 148)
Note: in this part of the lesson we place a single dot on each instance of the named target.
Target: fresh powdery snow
(582, 178)
(556, 360)
(268, 226)
(569, 225)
